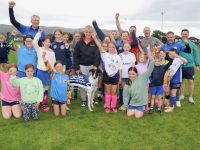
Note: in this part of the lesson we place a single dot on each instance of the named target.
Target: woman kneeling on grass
(31, 89)
(59, 90)
(10, 95)
(136, 92)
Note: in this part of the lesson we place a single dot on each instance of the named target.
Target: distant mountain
(8, 28)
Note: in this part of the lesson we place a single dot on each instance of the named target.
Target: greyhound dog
(89, 84)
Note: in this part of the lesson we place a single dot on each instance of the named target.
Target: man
(184, 47)
(188, 69)
(32, 30)
(148, 40)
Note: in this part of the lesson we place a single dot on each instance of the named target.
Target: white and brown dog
(89, 84)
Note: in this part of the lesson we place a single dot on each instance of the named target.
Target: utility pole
(162, 13)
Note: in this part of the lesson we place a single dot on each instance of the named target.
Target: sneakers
(151, 110)
(191, 100)
(114, 109)
(170, 109)
(107, 110)
(178, 103)
(83, 104)
(181, 97)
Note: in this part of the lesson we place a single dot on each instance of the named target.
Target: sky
(178, 14)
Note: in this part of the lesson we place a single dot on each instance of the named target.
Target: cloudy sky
(178, 14)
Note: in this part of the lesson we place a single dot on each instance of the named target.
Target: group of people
(144, 75)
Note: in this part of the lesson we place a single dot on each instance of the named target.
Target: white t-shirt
(128, 60)
(176, 64)
(112, 63)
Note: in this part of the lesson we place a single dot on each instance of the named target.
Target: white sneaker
(178, 103)
(191, 100)
(181, 97)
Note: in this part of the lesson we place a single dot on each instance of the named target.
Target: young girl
(128, 60)
(76, 38)
(62, 52)
(59, 90)
(46, 60)
(26, 54)
(112, 74)
(10, 96)
(31, 89)
(135, 90)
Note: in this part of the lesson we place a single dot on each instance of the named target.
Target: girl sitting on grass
(31, 89)
(10, 96)
(136, 92)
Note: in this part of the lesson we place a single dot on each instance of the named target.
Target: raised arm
(101, 49)
(149, 70)
(99, 32)
(118, 23)
(14, 22)
(134, 43)
(36, 39)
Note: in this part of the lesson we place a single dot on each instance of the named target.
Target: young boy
(5, 46)
(156, 81)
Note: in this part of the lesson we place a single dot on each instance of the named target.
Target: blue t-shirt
(59, 87)
(26, 56)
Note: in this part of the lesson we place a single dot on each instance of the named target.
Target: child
(76, 38)
(156, 82)
(136, 91)
(10, 96)
(111, 75)
(176, 76)
(5, 46)
(31, 89)
(142, 63)
(26, 54)
(62, 52)
(100, 75)
(46, 60)
(59, 90)
(128, 60)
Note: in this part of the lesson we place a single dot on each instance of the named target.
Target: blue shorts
(188, 73)
(138, 108)
(157, 90)
(4, 103)
(44, 76)
(22, 74)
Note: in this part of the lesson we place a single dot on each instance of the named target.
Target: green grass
(85, 130)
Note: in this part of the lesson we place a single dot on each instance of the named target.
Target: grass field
(85, 130)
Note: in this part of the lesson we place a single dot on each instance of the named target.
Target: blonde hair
(88, 27)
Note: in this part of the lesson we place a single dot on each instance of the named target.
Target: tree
(160, 35)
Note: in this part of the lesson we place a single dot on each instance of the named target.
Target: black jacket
(86, 54)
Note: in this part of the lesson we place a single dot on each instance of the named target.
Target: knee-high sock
(114, 101)
(107, 100)
(172, 101)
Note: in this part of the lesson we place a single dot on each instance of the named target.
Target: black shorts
(4, 103)
(3, 60)
(188, 73)
(175, 85)
(57, 102)
(110, 80)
